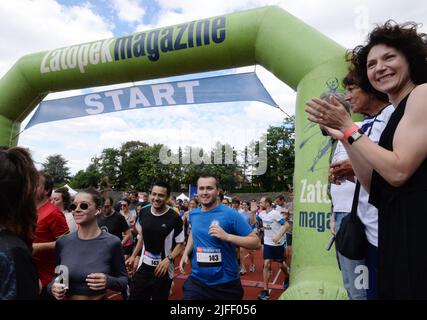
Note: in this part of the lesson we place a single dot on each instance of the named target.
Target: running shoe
(263, 295)
(252, 268)
(243, 271)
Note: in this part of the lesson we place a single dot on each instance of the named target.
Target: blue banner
(228, 88)
(192, 191)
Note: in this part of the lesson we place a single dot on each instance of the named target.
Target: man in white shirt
(275, 227)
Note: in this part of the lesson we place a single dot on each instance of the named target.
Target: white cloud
(29, 26)
(129, 11)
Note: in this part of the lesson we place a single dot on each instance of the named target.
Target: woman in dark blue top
(90, 260)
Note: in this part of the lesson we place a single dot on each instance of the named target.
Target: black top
(102, 254)
(160, 233)
(115, 224)
(18, 272)
(402, 226)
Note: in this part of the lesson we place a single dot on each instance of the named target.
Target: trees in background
(136, 165)
(56, 166)
(280, 143)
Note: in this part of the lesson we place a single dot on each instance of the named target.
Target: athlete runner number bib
(151, 259)
(208, 257)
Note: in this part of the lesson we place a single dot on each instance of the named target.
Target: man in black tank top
(159, 227)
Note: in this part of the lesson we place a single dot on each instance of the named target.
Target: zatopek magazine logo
(150, 45)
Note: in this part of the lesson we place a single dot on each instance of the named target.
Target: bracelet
(350, 131)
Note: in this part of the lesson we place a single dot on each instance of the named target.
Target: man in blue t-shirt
(216, 230)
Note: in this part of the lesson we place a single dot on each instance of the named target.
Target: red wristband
(350, 131)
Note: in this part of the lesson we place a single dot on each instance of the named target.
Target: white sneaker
(252, 268)
(243, 270)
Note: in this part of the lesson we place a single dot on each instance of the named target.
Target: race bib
(208, 257)
(151, 259)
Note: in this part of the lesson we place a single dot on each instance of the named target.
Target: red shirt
(51, 225)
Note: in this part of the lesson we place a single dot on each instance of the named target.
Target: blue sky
(28, 26)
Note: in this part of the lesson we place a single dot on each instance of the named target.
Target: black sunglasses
(82, 205)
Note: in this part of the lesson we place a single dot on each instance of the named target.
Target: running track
(252, 282)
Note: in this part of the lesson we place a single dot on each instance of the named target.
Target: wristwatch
(355, 136)
(170, 257)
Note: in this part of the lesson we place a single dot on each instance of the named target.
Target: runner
(249, 218)
(51, 225)
(130, 216)
(275, 227)
(159, 227)
(216, 230)
(62, 199)
(113, 222)
(92, 257)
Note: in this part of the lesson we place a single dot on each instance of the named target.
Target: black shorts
(145, 286)
(275, 253)
(194, 289)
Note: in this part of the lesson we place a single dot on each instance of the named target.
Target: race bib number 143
(208, 257)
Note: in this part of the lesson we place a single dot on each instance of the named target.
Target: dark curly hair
(18, 185)
(403, 37)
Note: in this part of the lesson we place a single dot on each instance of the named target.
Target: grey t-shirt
(103, 254)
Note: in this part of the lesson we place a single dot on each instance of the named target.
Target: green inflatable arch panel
(300, 56)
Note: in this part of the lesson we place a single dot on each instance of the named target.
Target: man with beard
(159, 228)
(216, 230)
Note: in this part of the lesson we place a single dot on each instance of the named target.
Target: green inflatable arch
(300, 56)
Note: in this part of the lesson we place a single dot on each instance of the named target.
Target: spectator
(18, 216)
(394, 62)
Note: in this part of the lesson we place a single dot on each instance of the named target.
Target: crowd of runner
(87, 246)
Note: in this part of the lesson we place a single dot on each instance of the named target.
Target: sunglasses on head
(82, 205)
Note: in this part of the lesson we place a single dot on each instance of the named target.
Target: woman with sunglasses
(92, 258)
